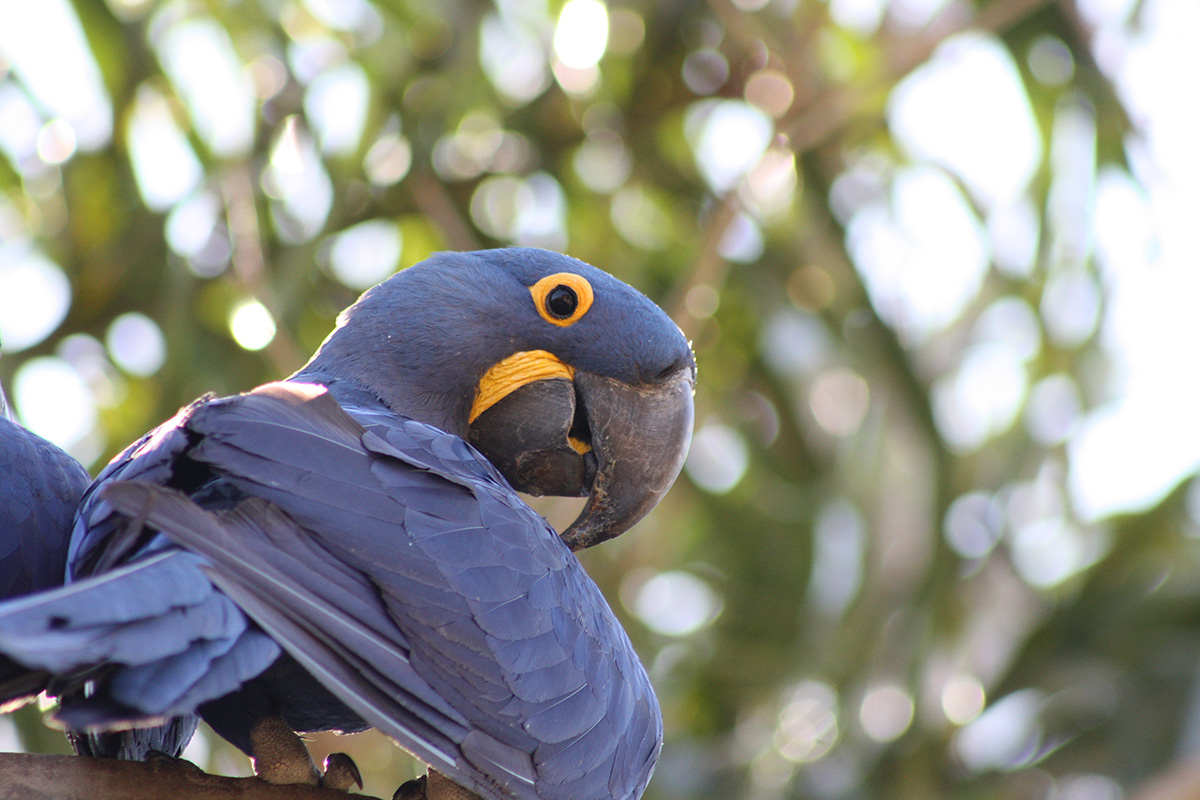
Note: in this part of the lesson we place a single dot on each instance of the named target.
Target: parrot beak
(621, 445)
(640, 436)
(527, 436)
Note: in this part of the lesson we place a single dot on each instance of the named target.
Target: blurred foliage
(840, 598)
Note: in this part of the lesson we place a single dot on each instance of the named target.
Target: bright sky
(922, 248)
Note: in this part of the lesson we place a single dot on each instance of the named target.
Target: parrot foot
(411, 790)
(341, 773)
(433, 786)
(160, 761)
(280, 757)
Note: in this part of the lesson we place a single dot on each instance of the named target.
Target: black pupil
(561, 302)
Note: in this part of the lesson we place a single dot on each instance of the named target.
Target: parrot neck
(444, 409)
(422, 340)
(414, 373)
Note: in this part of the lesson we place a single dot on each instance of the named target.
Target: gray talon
(411, 790)
(341, 773)
(433, 786)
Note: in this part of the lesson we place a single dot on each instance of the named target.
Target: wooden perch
(29, 776)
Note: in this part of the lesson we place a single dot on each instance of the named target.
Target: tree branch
(436, 205)
(249, 261)
(29, 776)
(1178, 782)
(710, 268)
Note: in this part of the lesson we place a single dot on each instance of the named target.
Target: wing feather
(398, 568)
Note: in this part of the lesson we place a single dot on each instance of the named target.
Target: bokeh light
(388, 160)
(347, 15)
(298, 183)
(603, 162)
(34, 296)
(136, 344)
(963, 699)
(363, 255)
(984, 131)
(1053, 410)
(718, 458)
(860, 16)
(728, 138)
(676, 603)
(164, 164)
(743, 240)
(1071, 307)
(1004, 735)
(20, 125)
(808, 722)
(192, 223)
(770, 91)
(795, 344)
(219, 97)
(46, 47)
(886, 712)
(1050, 61)
(529, 212)
(1013, 232)
(982, 398)
(251, 325)
(839, 544)
(513, 57)
(1050, 550)
(923, 255)
(974, 524)
(336, 106)
(53, 401)
(705, 71)
(839, 400)
(56, 142)
(581, 34)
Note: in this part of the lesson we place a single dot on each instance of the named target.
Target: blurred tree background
(939, 260)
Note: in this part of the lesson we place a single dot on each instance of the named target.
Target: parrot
(348, 548)
(40, 488)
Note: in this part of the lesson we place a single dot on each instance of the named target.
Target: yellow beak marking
(512, 373)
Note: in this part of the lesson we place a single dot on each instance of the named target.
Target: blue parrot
(40, 486)
(347, 549)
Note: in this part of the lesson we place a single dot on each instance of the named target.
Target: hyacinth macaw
(346, 548)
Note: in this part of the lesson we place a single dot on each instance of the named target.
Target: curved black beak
(640, 435)
(622, 445)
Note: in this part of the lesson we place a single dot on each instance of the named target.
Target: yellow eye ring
(561, 299)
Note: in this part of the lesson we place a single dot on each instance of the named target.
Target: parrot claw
(280, 757)
(411, 790)
(341, 773)
(161, 761)
(433, 786)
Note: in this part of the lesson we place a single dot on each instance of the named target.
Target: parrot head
(569, 381)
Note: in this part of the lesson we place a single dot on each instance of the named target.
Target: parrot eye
(561, 302)
(562, 299)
